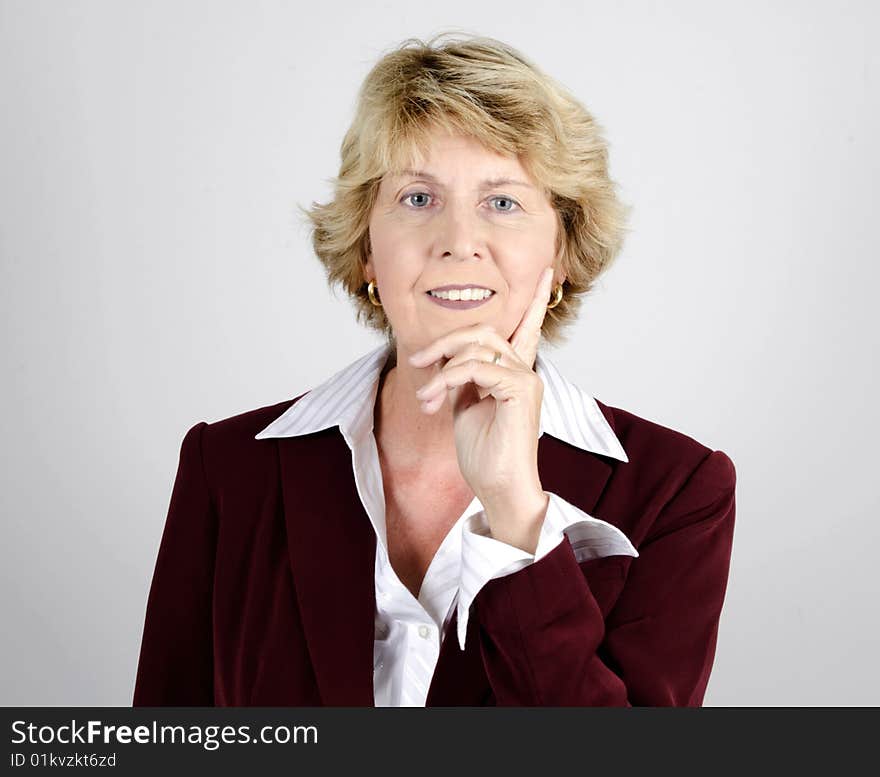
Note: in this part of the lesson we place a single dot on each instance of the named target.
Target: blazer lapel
(578, 477)
(332, 548)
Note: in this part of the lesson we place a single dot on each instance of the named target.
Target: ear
(558, 275)
(369, 270)
(558, 267)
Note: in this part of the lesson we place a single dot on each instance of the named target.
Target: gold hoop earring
(558, 297)
(371, 293)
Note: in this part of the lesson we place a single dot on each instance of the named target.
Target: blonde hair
(484, 89)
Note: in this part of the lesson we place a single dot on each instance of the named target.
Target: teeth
(462, 294)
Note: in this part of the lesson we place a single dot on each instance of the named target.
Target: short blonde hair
(484, 89)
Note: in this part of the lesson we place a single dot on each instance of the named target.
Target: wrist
(518, 520)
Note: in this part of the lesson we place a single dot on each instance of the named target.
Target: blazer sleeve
(544, 641)
(176, 664)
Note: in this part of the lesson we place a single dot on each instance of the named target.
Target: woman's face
(467, 217)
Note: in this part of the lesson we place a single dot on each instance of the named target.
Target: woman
(448, 520)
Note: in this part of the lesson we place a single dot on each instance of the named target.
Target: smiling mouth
(476, 292)
(461, 304)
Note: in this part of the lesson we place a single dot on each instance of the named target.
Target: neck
(406, 437)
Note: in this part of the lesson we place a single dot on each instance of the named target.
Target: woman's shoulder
(234, 436)
(671, 453)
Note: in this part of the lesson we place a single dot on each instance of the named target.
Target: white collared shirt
(409, 630)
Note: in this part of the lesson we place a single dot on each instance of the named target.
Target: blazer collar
(347, 400)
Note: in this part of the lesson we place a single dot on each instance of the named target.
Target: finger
(527, 335)
(501, 382)
(450, 345)
(434, 404)
(436, 386)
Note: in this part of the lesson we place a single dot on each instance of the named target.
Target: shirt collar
(348, 398)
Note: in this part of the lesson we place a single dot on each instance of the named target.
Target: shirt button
(424, 632)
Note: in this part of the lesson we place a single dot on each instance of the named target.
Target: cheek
(513, 303)
(385, 244)
(538, 247)
(395, 264)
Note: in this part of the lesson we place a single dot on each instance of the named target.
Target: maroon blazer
(263, 590)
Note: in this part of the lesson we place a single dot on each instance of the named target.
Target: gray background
(155, 273)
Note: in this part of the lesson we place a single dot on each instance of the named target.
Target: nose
(460, 232)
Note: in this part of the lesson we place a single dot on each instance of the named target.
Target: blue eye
(415, 194)
(503, 198)
(508, 199)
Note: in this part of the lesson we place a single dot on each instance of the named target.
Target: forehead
(459, 157)
(439, 147)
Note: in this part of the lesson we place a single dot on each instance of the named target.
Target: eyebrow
(487, 183)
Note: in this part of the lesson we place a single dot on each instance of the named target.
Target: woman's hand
(496, 410)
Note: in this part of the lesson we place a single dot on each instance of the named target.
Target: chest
(418, 516)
